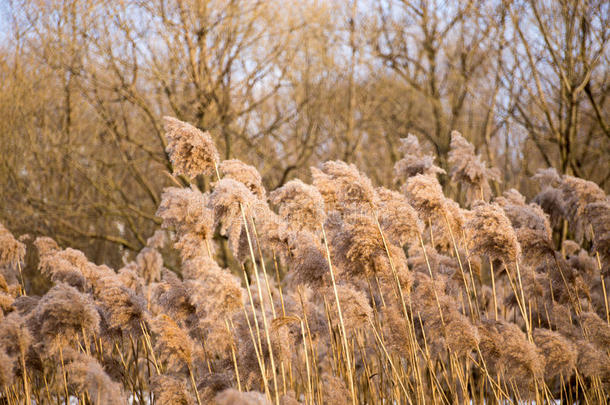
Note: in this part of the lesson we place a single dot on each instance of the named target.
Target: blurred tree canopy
(282, 85)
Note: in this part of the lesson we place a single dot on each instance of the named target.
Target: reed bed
(348, 293)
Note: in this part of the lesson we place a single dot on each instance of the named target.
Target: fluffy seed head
(11, 250)
(507, 351)
(490, 233)
(353, 189)
(550, 199)
(6, 369)
(577, 193)
(308, 261)
(397, 218)
(191, 151)
(171, 390)
(469, 169)
(149, 263)
(63, 313)
(227, 201)
(524, 215)
(247, 175)
(15, 337)
(598, 215)
(334, 390)
(233, 397)
(123, 308)
(300, 204)
(559, 353)
(547, 177)
(425, 194)
(355, 307)
(173, 344)
(85, 374)
(414, 161)
(186, 210)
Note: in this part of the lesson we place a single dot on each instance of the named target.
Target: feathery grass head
(60, 270)
(352, 189)
(232, 396)
(592, 361)
(308, 262)
(355, 307)
(197, 268)
(326, 187)
(185, 209)
(547, 177)
(173, 344)
(595, 329)
(397, 218)
(216, 295)
(524, 215)
(15, 337)
(149, 263)
(559, 353)
(247, 175)
(227, 200)
(175, 300)
(123, 309)
(550, 199)
(536, 246)
(191, 151)
(45, 245)
(461, 337)
(577, 193)
(425, 194)
(11, 250)
(171, 390)
(490, 233)
(507, 351)
(63, 313)
(598, 215)
(7, 374)
(85, 375)
(357, 245)
(300, 204)
(469, 169)
(414, 161)
(335, 391)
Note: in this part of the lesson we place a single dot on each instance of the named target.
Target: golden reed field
(349, 293)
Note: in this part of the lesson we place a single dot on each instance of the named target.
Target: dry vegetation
(349, 293)
(283, 85)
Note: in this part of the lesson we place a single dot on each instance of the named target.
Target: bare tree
(559, 89)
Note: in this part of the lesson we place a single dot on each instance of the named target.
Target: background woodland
(283, 85)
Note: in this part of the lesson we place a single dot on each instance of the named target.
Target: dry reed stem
(346, 346)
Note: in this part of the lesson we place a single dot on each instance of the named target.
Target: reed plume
(425, 194)
(247, 175)
(233, 397)
(577, 194)
(414, 161)
(62, 315)
(86, 375)
(171, 390)
(186, 211)
(191, 151)
(11, 250)
(559, 353)
(468, 169)
(490, 233)
(300, 205)
(352, 189)
(7, 374)
(173, 344)
(397, 218)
